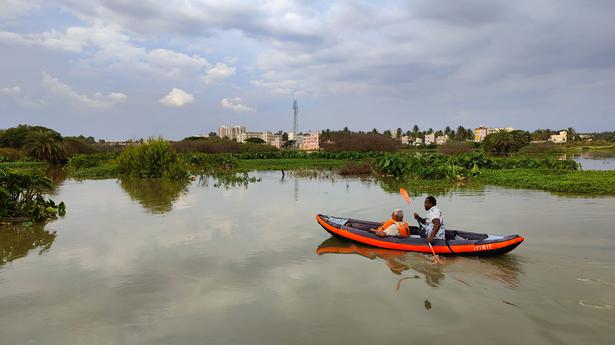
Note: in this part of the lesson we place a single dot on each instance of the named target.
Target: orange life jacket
(402, 226)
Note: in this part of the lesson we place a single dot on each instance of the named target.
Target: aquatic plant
(152, 159)
(22, 197)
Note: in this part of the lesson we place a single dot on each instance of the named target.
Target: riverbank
(407, 169)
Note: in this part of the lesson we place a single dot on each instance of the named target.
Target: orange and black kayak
(456, 242)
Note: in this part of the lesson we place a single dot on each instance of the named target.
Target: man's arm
(436, 228)
(419, 219)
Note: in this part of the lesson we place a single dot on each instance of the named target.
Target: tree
(571, 134)
(415, 130)
(255, 140)
(398, 133)
(447, 130)
(375, 131)
(43, 145)
(387, 133)
(345, 129)
(212, 135)
(541, 134)
(16, 137)
(290, 143)
(503, 142)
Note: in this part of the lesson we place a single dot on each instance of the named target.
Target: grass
(105, 170)
(289, 164)
(24, 165)
(561, 181)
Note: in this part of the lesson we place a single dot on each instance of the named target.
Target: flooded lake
(137, 262)
(596, 160)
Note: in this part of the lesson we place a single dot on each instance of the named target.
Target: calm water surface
(152, 263)
(596, 160)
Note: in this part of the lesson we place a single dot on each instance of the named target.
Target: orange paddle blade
(404, 194)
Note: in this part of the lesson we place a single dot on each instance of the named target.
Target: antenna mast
(295, 118)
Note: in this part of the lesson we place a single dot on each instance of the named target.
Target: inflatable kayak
(456, 242)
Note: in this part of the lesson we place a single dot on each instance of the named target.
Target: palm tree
(44, 146)
(571, 134)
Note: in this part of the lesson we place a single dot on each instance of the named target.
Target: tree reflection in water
(155, 195)
(17, 240)
(504, 269)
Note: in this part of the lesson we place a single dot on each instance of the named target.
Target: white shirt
(432, 214)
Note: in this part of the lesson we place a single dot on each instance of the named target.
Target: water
(596, 160)
(152, 263)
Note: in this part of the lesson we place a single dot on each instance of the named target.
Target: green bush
(83, 161)
(152, 159)
(21, 197)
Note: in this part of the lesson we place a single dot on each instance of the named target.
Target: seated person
(394, 226)
(433, 224)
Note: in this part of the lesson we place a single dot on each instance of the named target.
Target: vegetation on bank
(563, 181)
(153, 159)
(22, 197)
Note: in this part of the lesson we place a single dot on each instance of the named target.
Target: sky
(117, 69)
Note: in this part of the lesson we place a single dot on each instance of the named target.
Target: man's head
(398, 215)
(430, 202)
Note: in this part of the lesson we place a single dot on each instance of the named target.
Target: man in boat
(433, 224)
(394, 226)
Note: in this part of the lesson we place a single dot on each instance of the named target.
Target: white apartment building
(560, 138)
(405, 140)
(268, 137)
(481, 132)
(231, 132)
(442, 139)
(430, 138)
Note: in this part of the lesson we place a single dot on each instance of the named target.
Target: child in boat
(394, 226)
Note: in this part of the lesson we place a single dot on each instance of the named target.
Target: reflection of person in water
(396, 261)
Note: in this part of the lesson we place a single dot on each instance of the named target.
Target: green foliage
(362, 142)
(211, 162)
(437, 166)
(8, 154)
(44, 146)
(82, 161)
(255, 141)
(104, 170)
(503, 142)
(17, 137)
(152, 159)
(563, 181)
(22, 197)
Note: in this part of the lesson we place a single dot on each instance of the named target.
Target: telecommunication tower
(295, 118)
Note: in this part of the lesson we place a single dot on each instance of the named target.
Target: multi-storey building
(481, 132)
(430, 138)
(309, 142)
(560, 138)
(233, 132)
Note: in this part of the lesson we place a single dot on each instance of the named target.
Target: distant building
(418, 141)
(231, 132)
(560, 138)
(441, 139)
(309, 142)
(430, 138)
(268, 137)
(405, 140)
(481, 132)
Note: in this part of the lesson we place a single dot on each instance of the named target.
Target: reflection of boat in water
(502, 269)
(456, 242)
(397, 261)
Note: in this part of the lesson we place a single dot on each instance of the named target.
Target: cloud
(235, 104)
(219, 72)
(97, 100)
(16, 94)
(107, 46)
(177, 98)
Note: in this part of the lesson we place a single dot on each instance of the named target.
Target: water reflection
(503, 269)
(17, 240)
(155, 195)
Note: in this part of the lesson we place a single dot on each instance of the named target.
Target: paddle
(404, 194)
